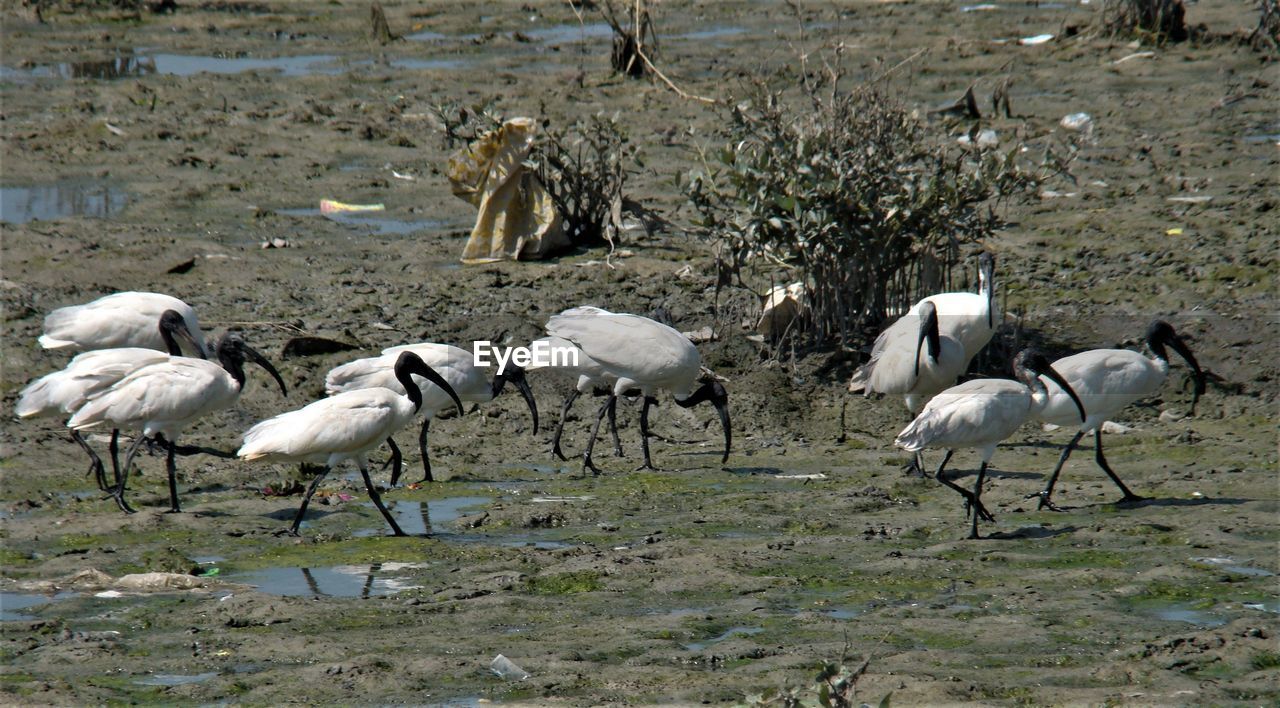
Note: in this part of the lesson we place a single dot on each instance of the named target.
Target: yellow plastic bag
(517, 218)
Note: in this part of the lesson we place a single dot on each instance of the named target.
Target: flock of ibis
(132, 374)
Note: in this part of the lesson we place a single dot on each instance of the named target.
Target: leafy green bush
(847, 190)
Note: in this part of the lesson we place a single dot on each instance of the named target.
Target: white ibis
(457, 366)
(125, 319)
(968, 318)
(1107, 381)
(63, 392)
(590, 375)
(162, 398)
(346, 426)
(981, 414)
(902, 363)
(642, 355)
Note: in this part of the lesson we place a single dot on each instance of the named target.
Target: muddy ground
(702, 583)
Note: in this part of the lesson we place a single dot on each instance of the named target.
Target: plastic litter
(985, 138)
(1175, 231)
(1037, 39)
(517, 217)
(1201, 199)
(985, 7)
(781, 307)
(506, 669)
(1077, 121)
(330, 206)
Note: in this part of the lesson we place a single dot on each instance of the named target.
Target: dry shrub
(1266, 36)
(848, 191)
(1155, 20)
(584, 168)
(635, 42)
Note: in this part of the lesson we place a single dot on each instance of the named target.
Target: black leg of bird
(396, 461)
(377, 501)
(968, 495)
(564, 413)
(95, 463)
(587, 464)
(124, 475)
(114, 449)
(1129, 497)
(613, 427)
(171, 468)
(1046, 497)
(306, 499)
(977, 499)
(644, 433)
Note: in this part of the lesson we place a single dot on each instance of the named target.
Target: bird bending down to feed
(590, 376)
(163, 398)
(916, 360)
(125, 319)
(1107, 381)
(345, 426)
(641, 355)
(981, 414)
(968, 318)
(457, 366)
(64, 392)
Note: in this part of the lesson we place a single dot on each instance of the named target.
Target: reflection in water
(363, 581)
(43, 202)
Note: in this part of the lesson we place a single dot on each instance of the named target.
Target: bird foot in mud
(1045, 502)
(911, 469)
(983, 514)
(1132, 499)
(648, 466)
(587, 464)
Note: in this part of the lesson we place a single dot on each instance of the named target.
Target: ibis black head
(712, 390)
(928, 314)
(172, 327)
(1160, 333)
(1031, 364)
(410, 364)
(233, 351)
(516, 376)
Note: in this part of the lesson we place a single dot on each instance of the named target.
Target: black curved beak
(1185, 352)
(262, 361)
(714, 392)
(421, 368)
(515, 375)
(1052, 373)
(929, 333)
(181, 331)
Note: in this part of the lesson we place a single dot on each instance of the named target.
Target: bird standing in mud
(1107, 381)
(345, 426)
(126, 319)
(981, 414)
(643, 356)
(163, 398)
(590, 375)
(64, 392)
(457, 366)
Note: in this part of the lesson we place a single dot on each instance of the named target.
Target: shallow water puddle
(165, 64)
(732, 631)
(1183, 612)
(381, 226)
(42, 202)
(11, 603)
(361, 581)
(174, 679)
(435, 516)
